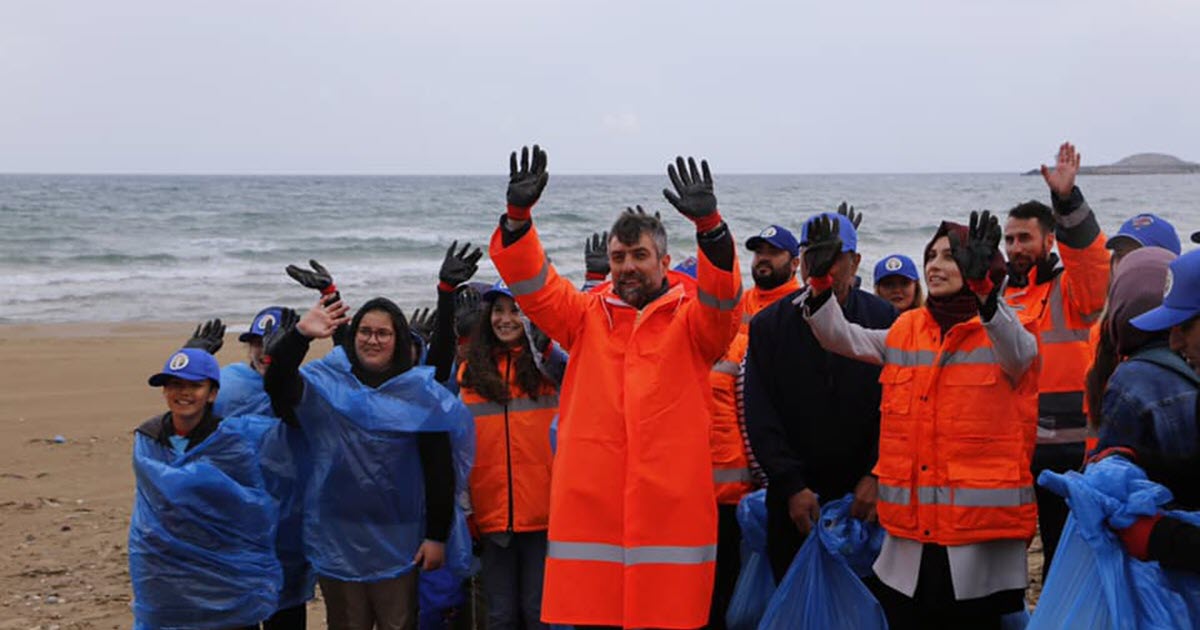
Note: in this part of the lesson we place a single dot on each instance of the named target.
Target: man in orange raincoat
(633, 524)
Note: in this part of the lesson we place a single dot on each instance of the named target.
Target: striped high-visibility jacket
(633, 523)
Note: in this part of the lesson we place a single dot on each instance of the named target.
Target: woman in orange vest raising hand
(958, 424)
(513, 403)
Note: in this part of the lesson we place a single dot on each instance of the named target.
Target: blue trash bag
(821, 588)
(285, 464)
(364, 513)
(439, 594)
(202, 534)
(1093, 582)
(755, 583)
(1016, 620)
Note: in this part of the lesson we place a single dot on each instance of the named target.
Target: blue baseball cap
(896, 265)
(846, 231)
(189, 364)
(778, 236)
(1148, 230)
(495, 291)
(689, 266)
(1181, 296)
(266, 320)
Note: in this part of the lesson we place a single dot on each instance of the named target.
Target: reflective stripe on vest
(963, 497)
(908, 358)
(726, 367)
(1059, 331)
(489, 408)
(713, 301)
(1061, 436)
(926, 358)
(525, 287)
(630, 556)
(732, 475)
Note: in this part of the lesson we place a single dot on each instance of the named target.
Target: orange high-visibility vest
(633, 524)
(956, 437)
(1065, 309)
(731, 469)
(510, 481)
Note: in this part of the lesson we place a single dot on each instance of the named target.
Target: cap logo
(769, 232)
(1142, 221)
(266, 322)
(1170, 283)
(893, 264)
(178, 362)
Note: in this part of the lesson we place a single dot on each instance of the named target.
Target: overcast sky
(608, 86)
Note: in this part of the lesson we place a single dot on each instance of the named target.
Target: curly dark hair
(482, 373)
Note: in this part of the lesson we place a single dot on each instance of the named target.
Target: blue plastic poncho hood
(202, 534)
(365, 504)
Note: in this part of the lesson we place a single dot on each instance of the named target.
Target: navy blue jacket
(812, 416)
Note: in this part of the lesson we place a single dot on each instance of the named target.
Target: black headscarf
(402, 354)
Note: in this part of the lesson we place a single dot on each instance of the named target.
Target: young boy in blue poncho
(202, 534)
(380, 496)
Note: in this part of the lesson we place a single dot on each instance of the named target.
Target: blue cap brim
(897, 272)
(1162, 318)
(1109, 244)
(247, 336)
(160, 379)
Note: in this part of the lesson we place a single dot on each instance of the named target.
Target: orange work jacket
(1065, 309)
(633, 524)
(510, 481)
(731, 468)
(956, 437)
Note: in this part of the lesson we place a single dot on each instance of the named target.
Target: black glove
(458, 267)
(640, 211)
(422, 322)
(822, 247)
(975, 257)
(525, 184)
(693, 196)
(848, 212)
(595, 254)
(466, 311)
(209, 336)
(288, 319)
(318, 279)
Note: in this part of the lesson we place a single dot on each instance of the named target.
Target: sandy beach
(65, 504)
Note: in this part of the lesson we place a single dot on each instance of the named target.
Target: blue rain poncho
(1093, 582)
(755, 583)
(285, 466)
(202, 535)
(365, 503)
(822, 587)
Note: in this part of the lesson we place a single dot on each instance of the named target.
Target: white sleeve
(839, 336)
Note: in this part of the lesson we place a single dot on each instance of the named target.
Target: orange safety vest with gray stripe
(510, 480)
(956, 437)
(1065, 309)
(732, 478)
(633, 524)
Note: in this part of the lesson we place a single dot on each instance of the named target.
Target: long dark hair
(482, 373)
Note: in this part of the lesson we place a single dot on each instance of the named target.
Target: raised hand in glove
(288, 319)
(319, 278)
(209, 336)
(525, 182)
(466, 311)
(977, 257)
(422, 322)
(595, 256)
(693, 196)
(458, 266)
(821, 250)
(848, 212)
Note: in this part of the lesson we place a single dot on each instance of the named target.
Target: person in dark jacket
(812, 416)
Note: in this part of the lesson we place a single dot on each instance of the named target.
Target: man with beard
(633, 524)
(776, 258)
(812, 416)
(1065, 300)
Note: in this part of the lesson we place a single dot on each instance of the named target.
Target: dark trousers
(729, 564)
(783, 539)
(383, 605)
(514, 566)
(1052, 509)
(933, 605)
(294, 618)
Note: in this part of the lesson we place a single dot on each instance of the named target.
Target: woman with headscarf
(957, 430)
(380, 495)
